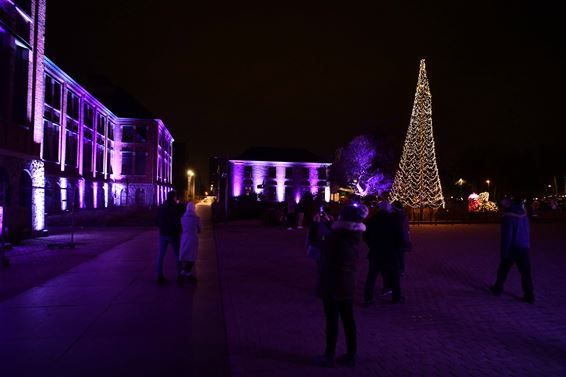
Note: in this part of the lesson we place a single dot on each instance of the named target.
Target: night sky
(226, 77)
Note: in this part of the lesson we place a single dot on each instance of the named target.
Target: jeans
(164, 241)
(333, 310)
(391, 278)
(519, 256)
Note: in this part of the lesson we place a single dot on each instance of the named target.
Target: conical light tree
(417, 183)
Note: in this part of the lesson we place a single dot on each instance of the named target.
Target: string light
(417, 183)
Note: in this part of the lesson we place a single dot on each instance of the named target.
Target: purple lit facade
(105, 160)
(60, 148)
(275, 181)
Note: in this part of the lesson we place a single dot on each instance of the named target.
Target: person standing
(169, 224)
(515, 248)
(190, 223)
(339, 258)
(386, 238)
(319, 230)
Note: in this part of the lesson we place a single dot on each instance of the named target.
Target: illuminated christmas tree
(417, 183)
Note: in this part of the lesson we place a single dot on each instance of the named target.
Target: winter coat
(515, 230)
(169, 219)
(386, 236)
(339, 259)
(189, 236)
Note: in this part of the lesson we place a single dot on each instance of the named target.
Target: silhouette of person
(515, 248)
(169, 223)
(338, 261)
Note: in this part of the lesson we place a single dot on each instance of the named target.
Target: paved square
(450, 324)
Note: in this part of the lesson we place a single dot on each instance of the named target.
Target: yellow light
(190, 173)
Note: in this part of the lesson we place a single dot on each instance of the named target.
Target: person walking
(190, 223)
(386, 238)
(515, 248)
(169, 224)
(339, 259)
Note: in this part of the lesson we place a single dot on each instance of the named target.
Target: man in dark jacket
(169, 223)
(339, 258)
(515, 246)
(387, 238)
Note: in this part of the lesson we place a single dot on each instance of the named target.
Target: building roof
(116, 99)
(279, 154)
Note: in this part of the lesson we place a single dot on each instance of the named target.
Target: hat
(354, 213)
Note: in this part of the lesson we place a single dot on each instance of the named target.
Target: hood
(348, 225)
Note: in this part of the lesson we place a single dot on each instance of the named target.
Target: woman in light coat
(190, 223)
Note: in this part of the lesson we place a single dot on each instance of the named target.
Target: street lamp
(488, 182)
(190, 184)
(460, 182)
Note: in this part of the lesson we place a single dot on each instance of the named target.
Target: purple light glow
(280, 177)
(313, 179)
(95, 194)
(259, 170)
(81, 193)
(237, 179)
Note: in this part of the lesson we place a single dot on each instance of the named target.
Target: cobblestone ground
(450, 324)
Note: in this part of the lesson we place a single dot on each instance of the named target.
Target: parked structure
(275, 173)
(61, 149)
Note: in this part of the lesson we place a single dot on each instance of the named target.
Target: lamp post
(460, 182)
(190, 184)
(488, 182)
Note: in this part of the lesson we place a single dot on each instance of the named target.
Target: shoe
(399, 300)
(325, 361)
(386, 292)
(529, 298)
(289, 228)
(346, 360)
(300, 227)
(496, 291)
(162, 281)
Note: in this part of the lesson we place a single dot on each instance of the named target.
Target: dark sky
(225, 77)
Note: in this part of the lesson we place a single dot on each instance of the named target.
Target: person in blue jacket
(515, 247)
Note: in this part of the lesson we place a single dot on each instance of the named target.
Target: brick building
(62, 148)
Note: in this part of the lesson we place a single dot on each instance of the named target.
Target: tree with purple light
(358, 166)
(417, 183)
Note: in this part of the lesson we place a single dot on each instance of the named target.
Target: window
(20, 103)
(52, 93)
(52, 108)
(100, 129)
(289, 172)
(127, 162)
(5, 73)
(322, 173)
(247, 171)
(139, 168)
(87, 151)
(72, 105)
(305, 172)
(71, 140)
(111, 131)
(50, 141)
(128, 135)
(141, 134)
(99, 158)
(88, 116)
(271, 172)
(109, 155)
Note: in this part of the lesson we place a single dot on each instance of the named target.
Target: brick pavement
(450, 324)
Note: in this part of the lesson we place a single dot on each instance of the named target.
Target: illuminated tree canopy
(357, 166)
(417, 183)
